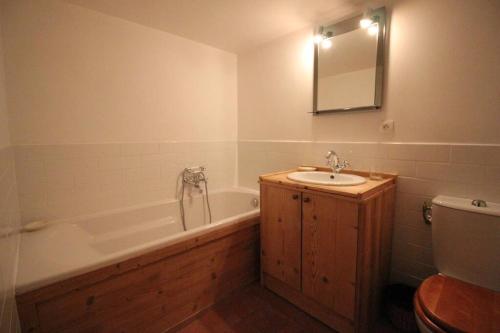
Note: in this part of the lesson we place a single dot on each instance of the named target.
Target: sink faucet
(332, 160)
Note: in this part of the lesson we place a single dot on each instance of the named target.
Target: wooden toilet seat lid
(456, 306)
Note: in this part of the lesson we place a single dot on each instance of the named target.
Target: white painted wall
(344, 90)
(441, 84)
(79, 76)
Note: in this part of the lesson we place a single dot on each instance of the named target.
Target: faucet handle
(342, 166)
(330, 154)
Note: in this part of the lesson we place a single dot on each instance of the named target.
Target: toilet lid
(457, 306)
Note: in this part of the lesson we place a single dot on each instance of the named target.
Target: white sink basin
(326, 178)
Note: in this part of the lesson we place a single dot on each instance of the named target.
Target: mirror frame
(347, 26)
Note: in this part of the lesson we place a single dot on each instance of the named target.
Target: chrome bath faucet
(194, 176)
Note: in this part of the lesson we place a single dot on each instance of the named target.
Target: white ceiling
(232, 25)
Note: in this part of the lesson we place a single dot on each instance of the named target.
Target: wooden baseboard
(316, 310)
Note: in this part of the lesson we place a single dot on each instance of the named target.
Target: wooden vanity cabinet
(281, 238)
(328, 251)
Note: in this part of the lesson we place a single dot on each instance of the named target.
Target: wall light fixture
(323, 38)
(367, 19)
(369, 22)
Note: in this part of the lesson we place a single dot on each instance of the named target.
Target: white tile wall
(58, 181)
(67, 180)
(9, 240)
(426, 170)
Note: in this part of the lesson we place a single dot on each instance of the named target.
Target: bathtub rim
(26, 287)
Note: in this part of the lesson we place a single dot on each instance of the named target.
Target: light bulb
(318, 38)
(326, 43)
(373, 30)
(365, 22)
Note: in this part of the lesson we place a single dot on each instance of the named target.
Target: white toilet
(464, 296)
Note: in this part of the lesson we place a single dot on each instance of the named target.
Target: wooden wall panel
(153, 297)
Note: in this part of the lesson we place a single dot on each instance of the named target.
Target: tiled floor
(257, 310)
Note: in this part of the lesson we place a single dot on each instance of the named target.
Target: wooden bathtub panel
(137, 298)
(176, 269)
(151, 297)
(65, 286)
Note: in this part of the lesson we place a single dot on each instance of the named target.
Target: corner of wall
(9, 212)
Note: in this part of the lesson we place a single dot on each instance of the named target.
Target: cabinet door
(329, 251)
(281, 234)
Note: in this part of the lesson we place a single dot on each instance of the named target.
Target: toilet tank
(466, 240)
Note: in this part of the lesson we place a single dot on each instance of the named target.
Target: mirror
(349, 64)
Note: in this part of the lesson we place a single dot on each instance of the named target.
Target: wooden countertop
(356, 191)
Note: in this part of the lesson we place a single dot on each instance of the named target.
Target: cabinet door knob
(295, 196)
(306, 199)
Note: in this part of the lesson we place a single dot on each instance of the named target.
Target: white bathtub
(75, 246)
